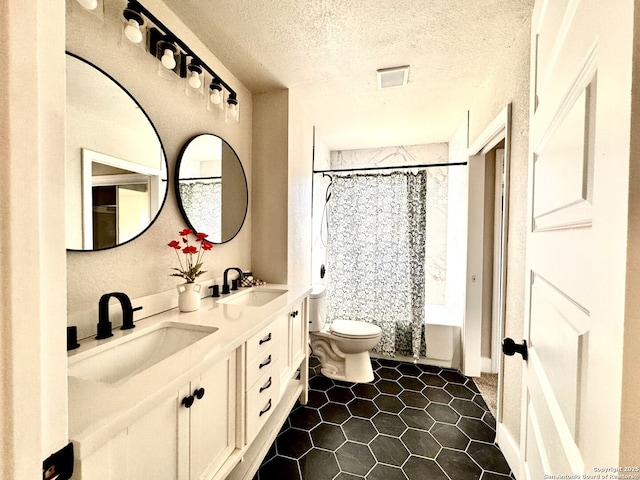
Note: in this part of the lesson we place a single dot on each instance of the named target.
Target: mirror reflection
(211, 188)
(116, 169)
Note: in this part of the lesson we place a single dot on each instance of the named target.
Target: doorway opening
(489, 155)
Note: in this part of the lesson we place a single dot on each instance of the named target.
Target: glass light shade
(169, 58)
(132, 31)
(194, 80)
(232, 114)
(215, 98)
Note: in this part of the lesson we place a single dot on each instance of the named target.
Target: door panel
(576, 244)
(213, 418)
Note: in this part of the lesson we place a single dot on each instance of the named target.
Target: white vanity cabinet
(187, 435)
(264, 351)
(294, 322)
(214, 419)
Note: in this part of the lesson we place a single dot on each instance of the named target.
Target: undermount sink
(254, 297)
(136, 352)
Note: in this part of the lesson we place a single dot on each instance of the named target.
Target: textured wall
(510, 84)
(141, 267)
(270, 142)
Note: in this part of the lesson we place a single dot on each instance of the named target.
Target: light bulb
(132, 31)
(233, 110)
(89, 4)
(194, 80)
(168, 59)
(215, 96)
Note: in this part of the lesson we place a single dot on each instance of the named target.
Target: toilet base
(337, 365)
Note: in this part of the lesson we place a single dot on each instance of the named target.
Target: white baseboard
(485, 365)
(509, 447)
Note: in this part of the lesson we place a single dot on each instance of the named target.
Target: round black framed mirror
(211, 187)
(116, 168)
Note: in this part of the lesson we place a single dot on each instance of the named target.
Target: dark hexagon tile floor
(413, 422)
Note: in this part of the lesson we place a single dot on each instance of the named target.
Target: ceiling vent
(393, 77)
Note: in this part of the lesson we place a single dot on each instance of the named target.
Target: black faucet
(104, 325)
(225, 285)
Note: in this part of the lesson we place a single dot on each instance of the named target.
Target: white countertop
(97, 411)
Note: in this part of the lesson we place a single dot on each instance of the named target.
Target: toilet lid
(354, 329)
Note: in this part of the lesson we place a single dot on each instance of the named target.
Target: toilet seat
(354, 329)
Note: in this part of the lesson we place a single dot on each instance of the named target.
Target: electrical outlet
(59, 466)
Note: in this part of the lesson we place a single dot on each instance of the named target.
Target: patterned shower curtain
(376, 256)
(202, 203)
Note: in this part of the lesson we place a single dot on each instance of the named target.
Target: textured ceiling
(327, 53)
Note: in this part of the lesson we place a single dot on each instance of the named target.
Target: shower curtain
(202, 203)
(376, 256)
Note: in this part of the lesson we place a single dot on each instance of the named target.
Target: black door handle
(509, 347)
(188, 401)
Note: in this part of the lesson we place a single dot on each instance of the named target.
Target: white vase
(188, 296)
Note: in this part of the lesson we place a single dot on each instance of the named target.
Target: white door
(576, 245)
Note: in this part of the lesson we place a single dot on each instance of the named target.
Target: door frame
(497, 130)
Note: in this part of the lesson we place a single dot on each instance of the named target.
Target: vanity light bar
(159, 35)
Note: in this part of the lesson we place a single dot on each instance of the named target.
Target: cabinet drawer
(263, 341)
(260, 365)
(261, 400)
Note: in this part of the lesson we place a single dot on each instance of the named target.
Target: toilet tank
(317, 308)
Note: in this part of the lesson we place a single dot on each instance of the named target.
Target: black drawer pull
(265, 339)
(266, 362)
(265, 409)
(266, 385)
(188, 401)
(199, 393)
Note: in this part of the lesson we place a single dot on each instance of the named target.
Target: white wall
(270, 192)
(283, 148)
(300, 200)
(318, 218)
(142, 266)
(455, 292)
(33, 402)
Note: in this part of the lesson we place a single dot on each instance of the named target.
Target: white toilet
(343, 347)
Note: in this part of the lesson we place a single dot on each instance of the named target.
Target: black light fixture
(172, 54)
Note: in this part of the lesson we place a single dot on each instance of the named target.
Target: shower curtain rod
(200, 178)
(390, 167)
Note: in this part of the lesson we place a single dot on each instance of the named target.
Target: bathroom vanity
(190, 395)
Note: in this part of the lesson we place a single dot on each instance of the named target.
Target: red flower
(191, 265)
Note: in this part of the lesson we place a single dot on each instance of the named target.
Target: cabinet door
(154, 447)
(297, 334)
(213, 418)
(157, 444)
